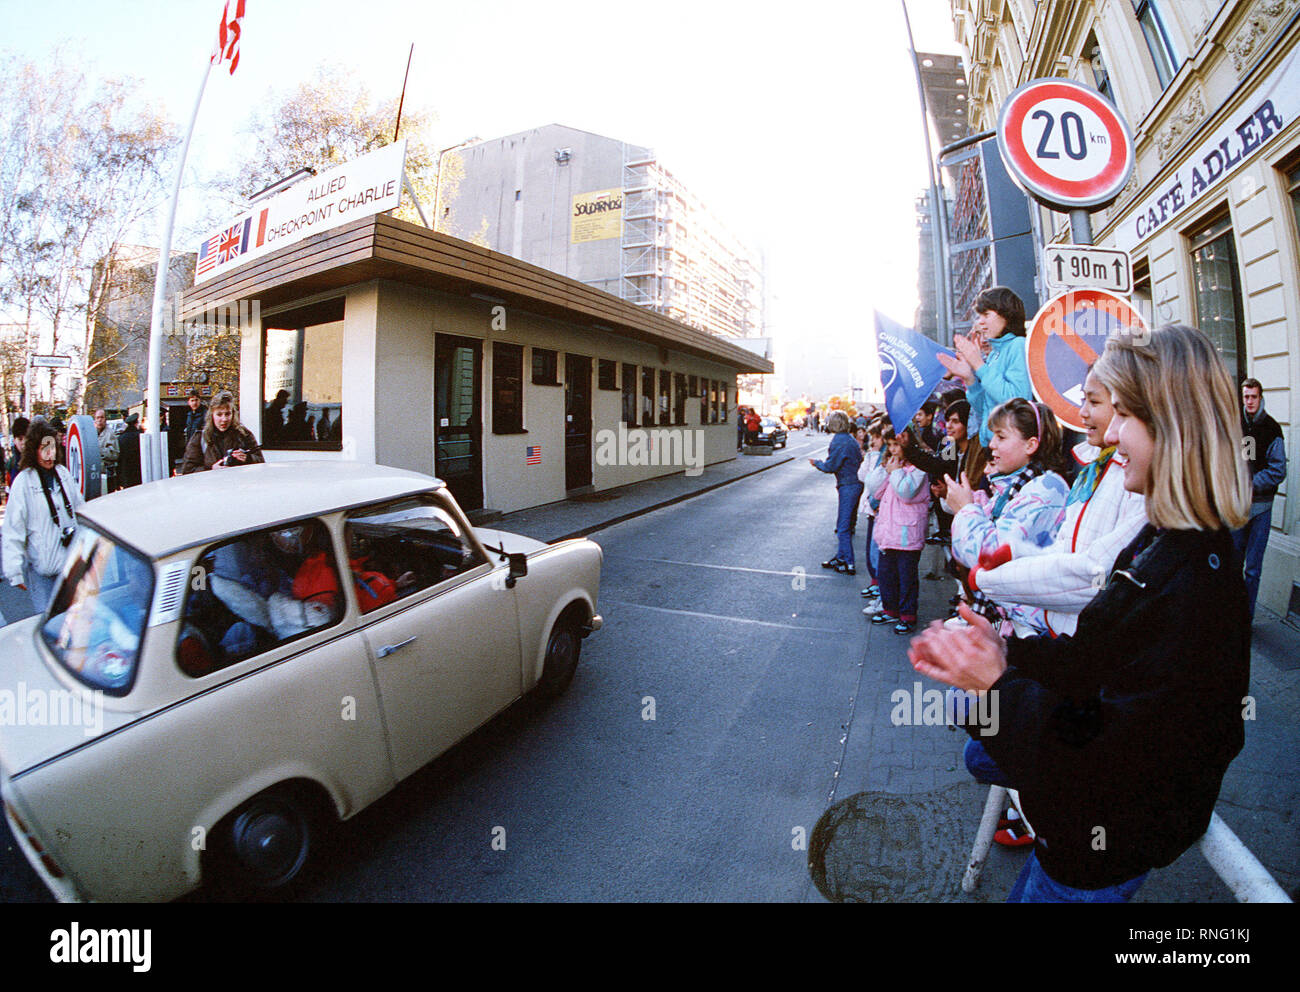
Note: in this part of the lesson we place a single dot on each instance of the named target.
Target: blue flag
(909, 370)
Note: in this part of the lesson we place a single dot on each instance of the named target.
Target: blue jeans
(40, 588)
(850, 495)
(900, 585)
(1034, 884)
(1250, 543)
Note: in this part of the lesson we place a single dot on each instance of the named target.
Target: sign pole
(153, 448)
(1081, 227)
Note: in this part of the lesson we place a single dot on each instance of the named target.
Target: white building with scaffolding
(606, 213)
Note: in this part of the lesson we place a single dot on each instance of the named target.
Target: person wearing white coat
(1101, 518)
(40, 517)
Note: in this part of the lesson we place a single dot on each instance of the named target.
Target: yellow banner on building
(596, 216)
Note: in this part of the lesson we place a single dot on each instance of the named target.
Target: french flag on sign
(533, 455)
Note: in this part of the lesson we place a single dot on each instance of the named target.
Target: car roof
(162, 517)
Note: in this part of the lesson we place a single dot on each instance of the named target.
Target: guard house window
(302, 378)
(1217, 291)
(607, 374)
(647, 397)
(704, 401)
(629, 395)
(665, 397)
(1100, 75)
(507, 388)
(1163, 53)
(679, 408)
(546, 367)
(713, 400)
(723, 403)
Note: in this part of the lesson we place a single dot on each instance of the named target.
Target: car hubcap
(271, 842)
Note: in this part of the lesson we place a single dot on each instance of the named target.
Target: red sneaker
(1016, 835)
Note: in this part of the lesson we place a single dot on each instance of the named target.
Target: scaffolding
(677, 260)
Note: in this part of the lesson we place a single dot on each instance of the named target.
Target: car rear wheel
(562, 650)
(266, 844)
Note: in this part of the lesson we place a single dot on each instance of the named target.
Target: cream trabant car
(233, 658)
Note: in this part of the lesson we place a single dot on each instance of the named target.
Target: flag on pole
(228, 36)
(909, 370)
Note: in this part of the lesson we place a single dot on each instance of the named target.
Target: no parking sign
(1068, 334)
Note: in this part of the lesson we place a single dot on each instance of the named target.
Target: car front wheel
(562, 649)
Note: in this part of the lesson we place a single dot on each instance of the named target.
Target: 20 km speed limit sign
(1066, 144)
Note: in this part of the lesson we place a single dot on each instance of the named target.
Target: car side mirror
(518, 568)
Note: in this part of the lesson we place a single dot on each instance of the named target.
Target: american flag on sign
(233, 241)
(208, 255)
(534, 455)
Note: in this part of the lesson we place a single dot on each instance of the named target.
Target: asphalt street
(735, 693)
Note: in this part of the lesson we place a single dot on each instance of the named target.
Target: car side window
(403, 546)
(257, 592)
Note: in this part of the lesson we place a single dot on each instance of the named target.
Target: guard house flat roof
(381, 247)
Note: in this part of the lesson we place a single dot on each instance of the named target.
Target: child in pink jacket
(904, 494)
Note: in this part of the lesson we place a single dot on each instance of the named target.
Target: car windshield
(769, 422)
(96, 620)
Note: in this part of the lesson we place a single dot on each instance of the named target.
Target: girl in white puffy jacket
(40, 517)
(1101, 518)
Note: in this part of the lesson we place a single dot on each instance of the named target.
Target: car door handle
(388, 649)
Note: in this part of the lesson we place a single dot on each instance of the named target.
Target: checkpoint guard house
(385, 342)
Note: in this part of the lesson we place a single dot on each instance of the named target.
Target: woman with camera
(224, 442)
(41, 517)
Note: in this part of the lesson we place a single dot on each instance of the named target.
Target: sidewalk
(583, 515)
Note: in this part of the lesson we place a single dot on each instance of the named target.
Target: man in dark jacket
(1267, 453)
(195, 418)
(128, 453)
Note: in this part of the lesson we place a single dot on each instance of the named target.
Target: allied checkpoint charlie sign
(367, 185)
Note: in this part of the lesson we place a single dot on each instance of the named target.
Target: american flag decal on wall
(533, 455)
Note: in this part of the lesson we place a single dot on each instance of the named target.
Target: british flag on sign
(533, 455)
(233, 241)
(208, 255)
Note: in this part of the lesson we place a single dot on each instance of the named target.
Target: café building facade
(382, 341)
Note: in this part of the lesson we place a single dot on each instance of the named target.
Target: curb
(681, 498)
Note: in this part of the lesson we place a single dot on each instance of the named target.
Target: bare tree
(330, 119)
(81, 165)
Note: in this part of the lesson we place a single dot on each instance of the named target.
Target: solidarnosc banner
(909, 368)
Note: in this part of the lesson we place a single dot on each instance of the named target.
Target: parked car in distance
(233, 659)
(772, 432)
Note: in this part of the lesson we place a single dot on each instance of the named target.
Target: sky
(798, 124)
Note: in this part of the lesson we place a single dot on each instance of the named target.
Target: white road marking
(717, 616)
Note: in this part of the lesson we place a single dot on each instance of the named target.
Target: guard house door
(457, 421)
(577, 422)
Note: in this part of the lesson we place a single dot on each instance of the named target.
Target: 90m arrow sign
(1078, 266)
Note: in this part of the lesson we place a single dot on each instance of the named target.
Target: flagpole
(155, 466)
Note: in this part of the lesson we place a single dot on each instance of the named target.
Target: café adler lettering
(597, 207)
(1252, 132)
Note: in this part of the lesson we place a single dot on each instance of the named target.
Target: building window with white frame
(1216, 289)
(1164, 53)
